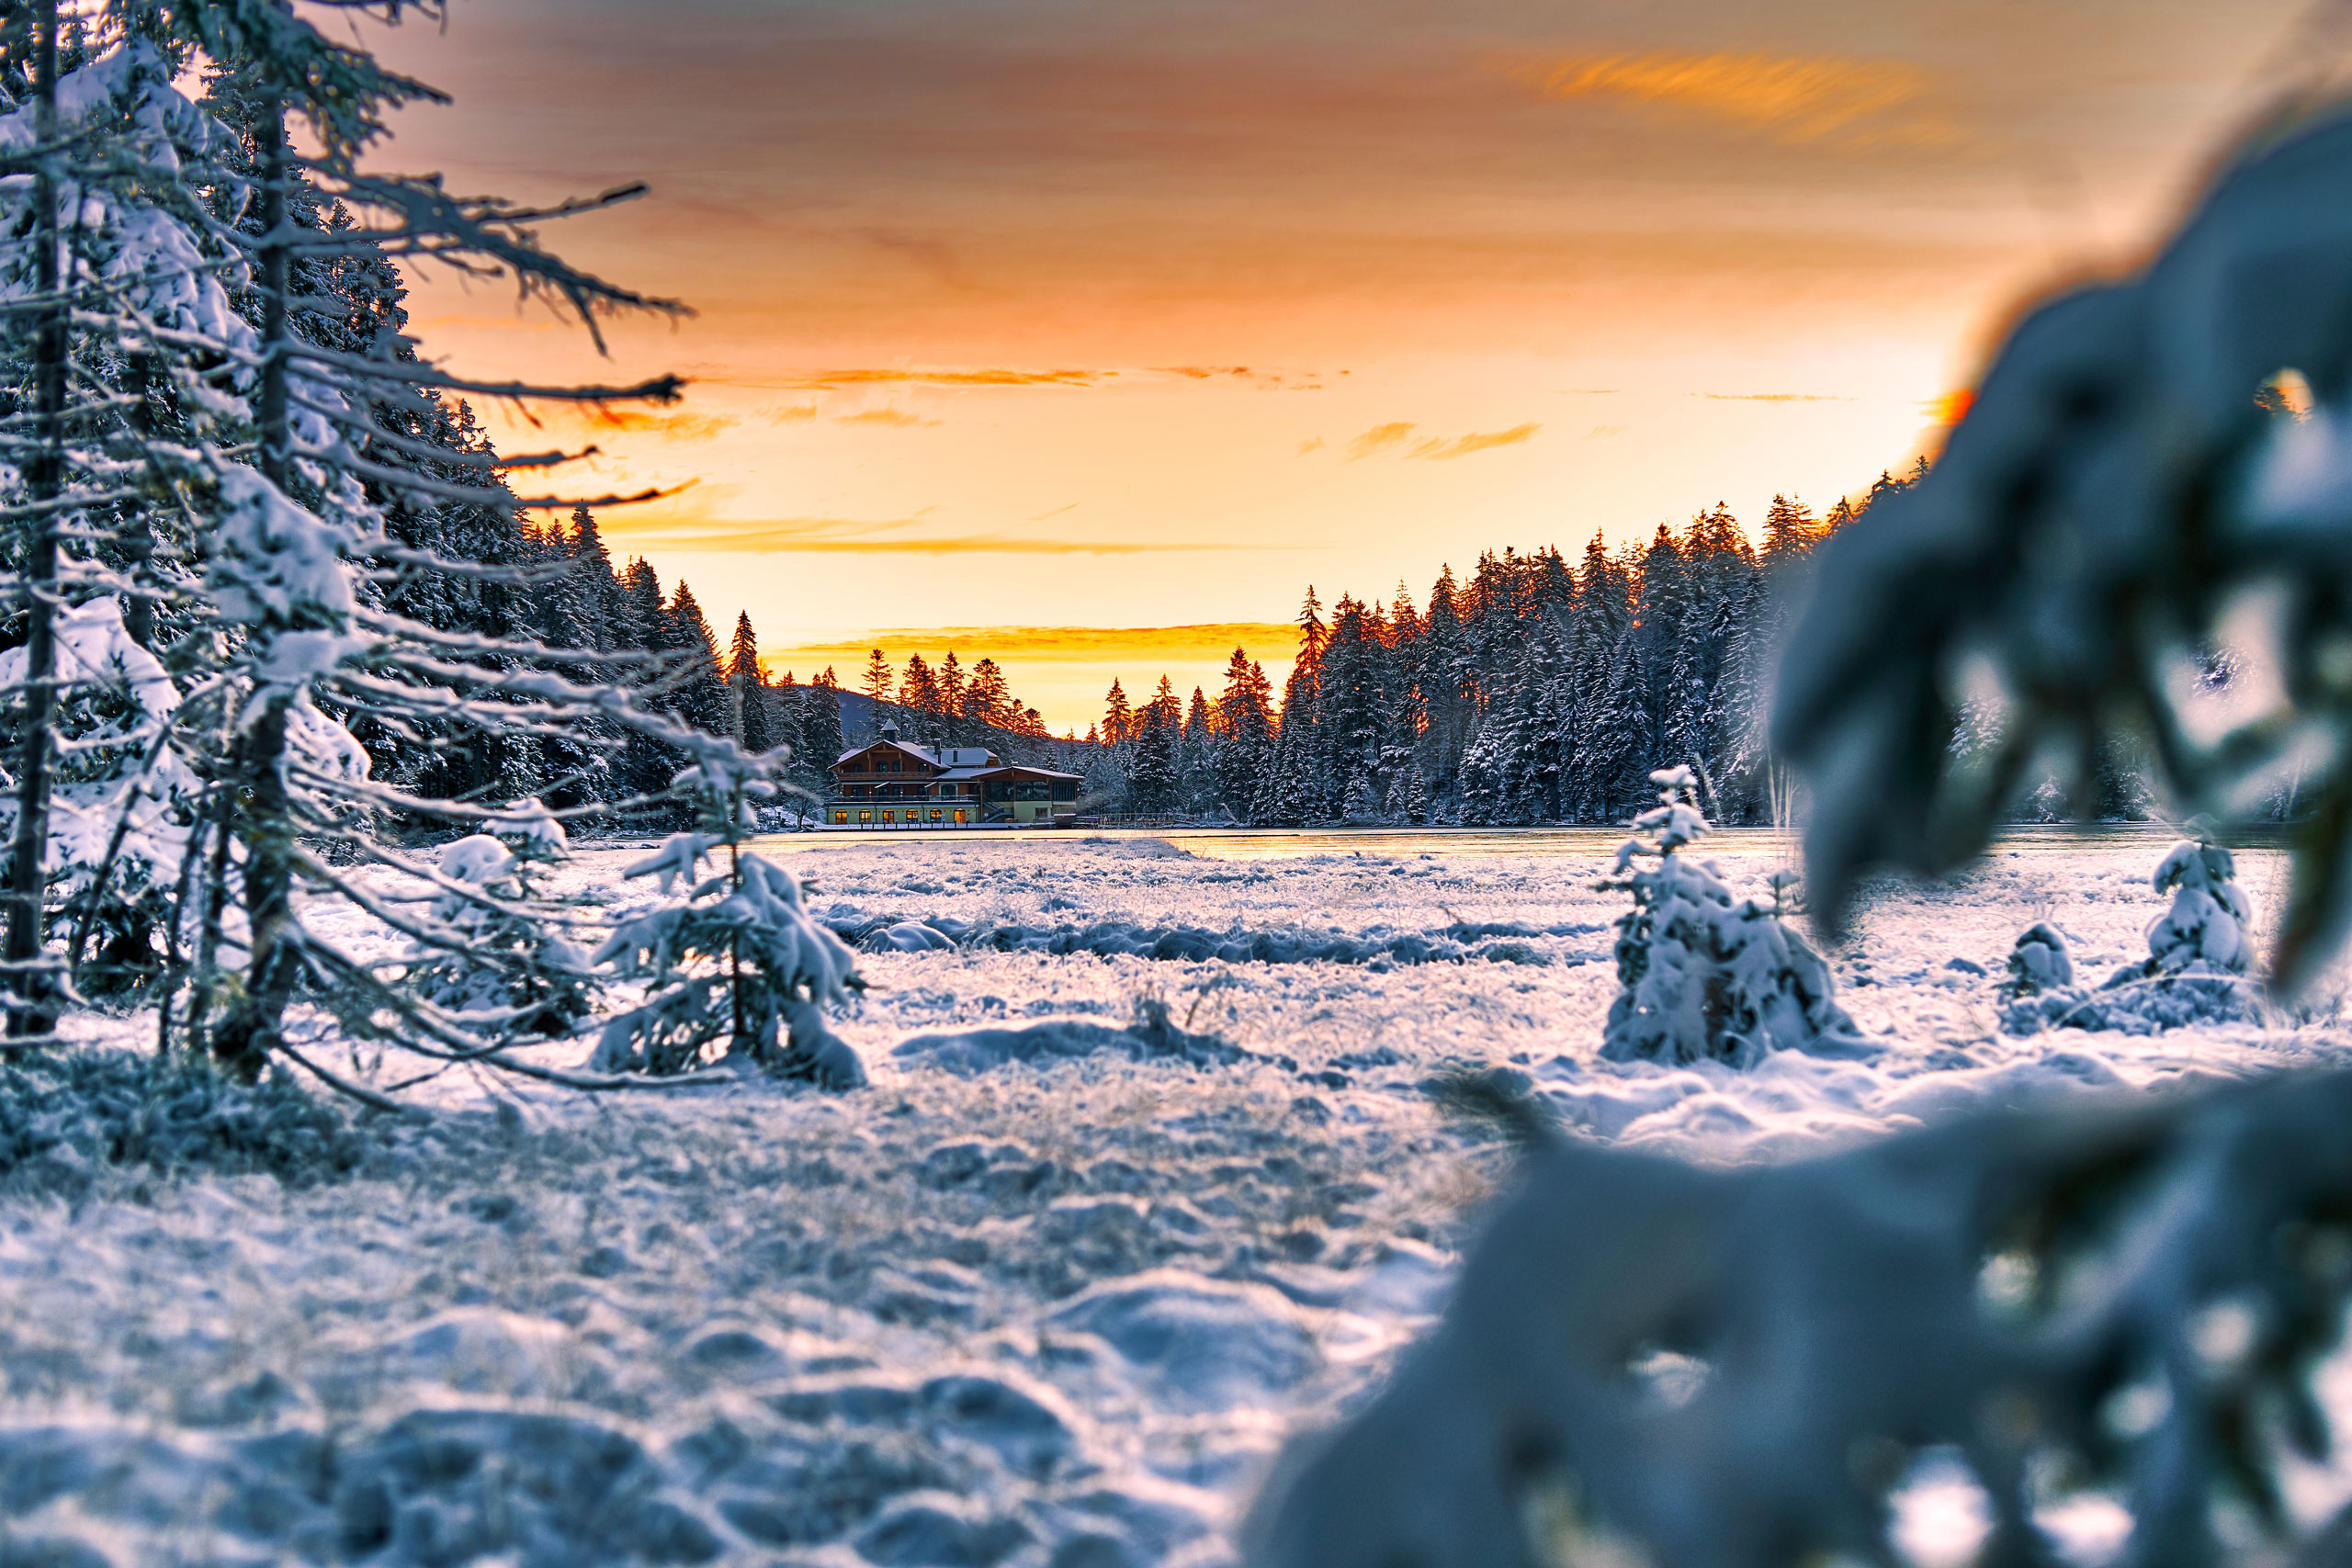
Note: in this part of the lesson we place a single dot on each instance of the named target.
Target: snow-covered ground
(1056, 1311)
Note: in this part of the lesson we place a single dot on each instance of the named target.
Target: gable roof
(943, 757)
(921, 754)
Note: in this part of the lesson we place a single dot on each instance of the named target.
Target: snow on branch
(1647, 1360)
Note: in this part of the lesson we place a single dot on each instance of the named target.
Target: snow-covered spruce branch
(1646, 1359)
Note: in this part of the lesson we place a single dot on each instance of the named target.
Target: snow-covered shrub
(1703, 975)
(2039, 962)
(2039, 990)
(739, 959)
(2194, 971)
(499, 953)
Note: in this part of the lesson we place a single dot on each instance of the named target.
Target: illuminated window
(959, 814)
(841, 816)
(934, 814)
(865, 817)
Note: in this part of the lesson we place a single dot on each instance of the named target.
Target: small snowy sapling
(2194, 971)
(500, 958)
(738, 960)
(1703, 977)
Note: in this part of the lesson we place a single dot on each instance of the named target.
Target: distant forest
(1535, 692)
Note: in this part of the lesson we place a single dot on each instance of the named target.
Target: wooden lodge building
(891, 784)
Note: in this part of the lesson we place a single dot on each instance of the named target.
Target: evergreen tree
(749, 688)
(1245, 735)
(701, 695)
(878, 682)
(1118, 718)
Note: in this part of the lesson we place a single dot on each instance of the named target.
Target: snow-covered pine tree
(1151, 764)
(518, 971)
(265, 321)
(2199, 951)
(1479, 775)
(749, 686)
(738, 963)
(1703, 977)
(1245, 726)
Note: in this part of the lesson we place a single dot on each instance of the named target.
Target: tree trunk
(250, 1032)
(35, 1000)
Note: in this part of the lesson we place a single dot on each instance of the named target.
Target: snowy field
(1150, 1175)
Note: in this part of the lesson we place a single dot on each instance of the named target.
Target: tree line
(1536, 690)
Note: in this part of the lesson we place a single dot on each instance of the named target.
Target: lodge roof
(958, 762)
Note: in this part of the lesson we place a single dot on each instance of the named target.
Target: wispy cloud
(894, 419)
(1827, 98)
(615, 420)
(793, 413)
(1082, 645)
(1057, 512)
(1600, 430)
(1312, 444)
(1398, 438)
(1476, 441)
(874, 536)
(1774, 397)
(836, 380)
(1379, 438)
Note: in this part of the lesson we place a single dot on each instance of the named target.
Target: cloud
(1379, 438)
(871, 536)
(793, 413)
(610, 418)
(1077, 645)
(896, 419)
(1312, 444)
(1057, 512)
(1774, 397)
(1476, 441)
(1600, 430)
(835, 380)
(1826, 98)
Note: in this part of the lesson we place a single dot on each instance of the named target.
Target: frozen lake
(1262, 843)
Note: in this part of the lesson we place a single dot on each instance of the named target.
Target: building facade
(895, 783)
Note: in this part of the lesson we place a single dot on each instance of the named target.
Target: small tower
(889, 730)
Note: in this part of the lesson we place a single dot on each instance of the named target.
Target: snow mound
(1198, 1344)
(909, 936)
(1152, 1037)
(65, 1113)
(473, 1351)
(442, 1485)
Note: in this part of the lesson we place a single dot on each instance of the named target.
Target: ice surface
(1006, 1306)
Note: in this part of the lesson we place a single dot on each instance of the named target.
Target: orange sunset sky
(1034, 315)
